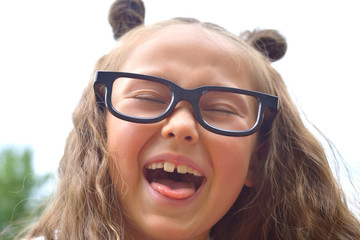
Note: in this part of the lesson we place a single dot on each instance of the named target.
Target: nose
(181, 125)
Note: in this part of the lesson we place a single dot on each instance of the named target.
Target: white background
(48, 50)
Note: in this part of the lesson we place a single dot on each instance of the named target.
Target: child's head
(190, 54)
(155, 204)
(176, 177)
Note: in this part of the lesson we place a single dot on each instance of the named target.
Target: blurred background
(48, 50)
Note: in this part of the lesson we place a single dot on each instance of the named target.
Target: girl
(187, 132)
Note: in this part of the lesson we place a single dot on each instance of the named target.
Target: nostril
(188, 138)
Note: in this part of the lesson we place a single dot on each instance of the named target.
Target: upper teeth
(170, 167)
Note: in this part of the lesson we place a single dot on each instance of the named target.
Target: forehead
(181, 36)
(186, 47)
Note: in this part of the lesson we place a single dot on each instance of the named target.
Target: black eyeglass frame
(107, 78)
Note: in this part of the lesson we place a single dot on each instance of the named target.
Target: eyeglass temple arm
(100, 92)
(269, 115)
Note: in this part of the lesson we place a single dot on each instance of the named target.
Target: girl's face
(158, 207)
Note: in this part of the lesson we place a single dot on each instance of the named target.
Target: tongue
(173, 189)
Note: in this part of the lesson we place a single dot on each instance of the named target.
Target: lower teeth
(151, 175)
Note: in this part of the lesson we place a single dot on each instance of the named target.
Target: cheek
(127, 138)
(231, 161)
(125, 141)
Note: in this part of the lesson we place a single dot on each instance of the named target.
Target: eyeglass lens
(140, 98)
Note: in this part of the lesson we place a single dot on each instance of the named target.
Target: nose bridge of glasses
(188, 95)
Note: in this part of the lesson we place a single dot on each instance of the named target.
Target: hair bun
(125, 15)
(269, 42)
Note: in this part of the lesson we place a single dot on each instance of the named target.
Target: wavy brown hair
(294, 196)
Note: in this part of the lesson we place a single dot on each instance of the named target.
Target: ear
(250, 177)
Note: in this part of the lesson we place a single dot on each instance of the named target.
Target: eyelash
(222, 109)
(152, 97)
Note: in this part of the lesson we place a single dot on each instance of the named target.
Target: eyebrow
(210, 81)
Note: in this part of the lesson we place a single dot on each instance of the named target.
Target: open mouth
(178, 182)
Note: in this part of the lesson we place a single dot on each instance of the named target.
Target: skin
(190, 57)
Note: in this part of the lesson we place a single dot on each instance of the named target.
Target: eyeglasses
(148, 99)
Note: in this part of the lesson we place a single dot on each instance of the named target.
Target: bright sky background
(48, 50)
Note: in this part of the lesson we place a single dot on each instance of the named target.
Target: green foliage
(18, 185)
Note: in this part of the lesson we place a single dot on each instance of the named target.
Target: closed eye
(220, 109)
(149, 97)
